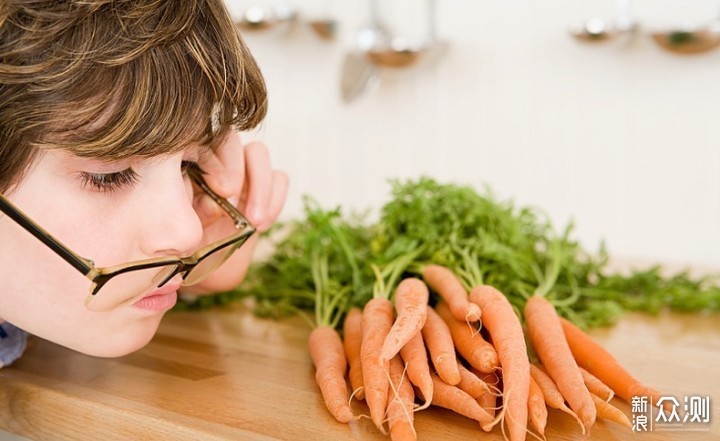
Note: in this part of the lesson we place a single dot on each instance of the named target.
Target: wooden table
(225, 374)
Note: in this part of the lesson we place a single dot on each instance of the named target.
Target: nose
(171, 227)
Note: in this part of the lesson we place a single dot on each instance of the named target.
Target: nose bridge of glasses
(183, 269)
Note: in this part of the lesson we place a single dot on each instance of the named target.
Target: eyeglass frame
(100, 276)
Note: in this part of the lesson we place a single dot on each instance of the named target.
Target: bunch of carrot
(404, 355)
(456, 300)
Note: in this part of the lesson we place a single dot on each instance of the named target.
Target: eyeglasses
(124, 284)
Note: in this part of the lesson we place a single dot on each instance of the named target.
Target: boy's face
(105, 213)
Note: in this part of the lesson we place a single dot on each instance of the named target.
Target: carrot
(459, 401)
(471, 383)
(546, 334)
(411, 299)
(537, 410)
(418, 367)
(504, 327)
(376, 322)
(400, 408)
(471, 345)
(553, 397)
(599, 362)
(488, 401)
(326, 351)
(439, 344)
(449, 287)
(597, 387)
(609, 412)
(352, 339)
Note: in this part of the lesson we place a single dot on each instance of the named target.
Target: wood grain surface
(225, 374)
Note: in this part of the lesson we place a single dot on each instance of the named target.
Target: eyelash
(110, 182)
(187, 165)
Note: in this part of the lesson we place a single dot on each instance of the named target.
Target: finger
(225, 168)
(280, 184)
(259, 182)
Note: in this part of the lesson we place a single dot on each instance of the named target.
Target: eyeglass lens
(128, 287)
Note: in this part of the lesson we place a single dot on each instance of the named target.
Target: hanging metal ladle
(599, 30)
(258, 18)
(376, 49)
(398, 52)
(689, 39)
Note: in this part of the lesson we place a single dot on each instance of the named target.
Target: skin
(155, 216)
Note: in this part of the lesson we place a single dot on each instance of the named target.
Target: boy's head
(114, 79)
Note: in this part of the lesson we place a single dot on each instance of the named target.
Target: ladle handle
(623, 13)
(374, 14)
(432, 14)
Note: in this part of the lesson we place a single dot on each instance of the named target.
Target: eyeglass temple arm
(81, 264)
(234, 213)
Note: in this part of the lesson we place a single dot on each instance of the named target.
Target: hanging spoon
(257, 18)
(598, 29)
(689, 39)
(400, 52)
(358, 72)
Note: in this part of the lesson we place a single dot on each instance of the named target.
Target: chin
(126, 341)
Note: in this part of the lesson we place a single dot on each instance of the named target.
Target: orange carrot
(449, 287)
(400, 406)
(546, 334)
(599, 362)
(376, 322)
(537, 410)
(352, 339)
(418, 368)
(471, 345)
(471, 383)
(457, 400)
(597, 387)
(553, 397)
(326, 351)
(411, 299)
(609, 412)
(488, 401)
(507, 335)
(440, 346)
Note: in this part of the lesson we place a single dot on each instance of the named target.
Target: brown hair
(113, 79)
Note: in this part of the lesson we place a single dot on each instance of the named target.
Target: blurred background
(620, 135)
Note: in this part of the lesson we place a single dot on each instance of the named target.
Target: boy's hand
(243, 175)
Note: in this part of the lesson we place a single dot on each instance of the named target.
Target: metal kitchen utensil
(598, 29)
(689, 39)
(399, 52)
(358, 73)
(325, 28)
(375, 33)
(258, 18)
(376, 49)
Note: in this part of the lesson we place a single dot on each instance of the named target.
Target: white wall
(622, 137)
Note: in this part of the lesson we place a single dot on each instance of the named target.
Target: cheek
(44, 295)
(49, 302)
(39, 288)
(103, 234)
(36, 276)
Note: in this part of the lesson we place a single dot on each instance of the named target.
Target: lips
(160, 299)
(170, 287)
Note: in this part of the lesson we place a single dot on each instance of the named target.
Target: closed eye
(109, 182)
